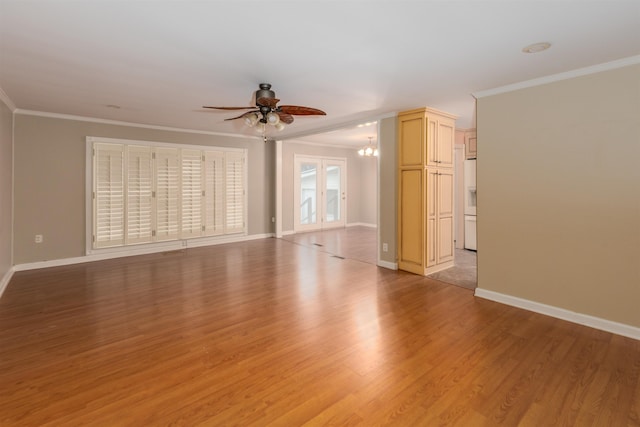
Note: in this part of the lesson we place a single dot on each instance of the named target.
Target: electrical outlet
(39, 238)
(273, 219)
(385, 247)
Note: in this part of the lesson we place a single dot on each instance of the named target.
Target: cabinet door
(444, 230)
(446, 142)
(439, 219)
(432, 218)
(440, 142)
(410, 252)
(432, 141)
(411, 135)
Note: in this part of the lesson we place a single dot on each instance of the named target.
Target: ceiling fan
(267, 111)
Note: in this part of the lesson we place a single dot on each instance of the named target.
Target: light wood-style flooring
(272, 332)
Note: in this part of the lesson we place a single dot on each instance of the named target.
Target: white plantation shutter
(139, 186)
(213, 193)
(151, 193)
(167, 193)
(234, 192)
(108, 195)
(191, 185)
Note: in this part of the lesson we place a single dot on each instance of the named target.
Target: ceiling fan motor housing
(264, 92)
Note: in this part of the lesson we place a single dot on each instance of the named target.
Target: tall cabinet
(426, 139)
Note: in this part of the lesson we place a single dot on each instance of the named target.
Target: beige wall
(359, 205)
(559, 194)
(6, 173)
(50, 181)
(387, 165)
(368, 190)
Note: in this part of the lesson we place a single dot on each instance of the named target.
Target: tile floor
(463, 273)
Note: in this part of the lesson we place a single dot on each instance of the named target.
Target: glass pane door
(334, 193)
(308, 193)
(319, 194)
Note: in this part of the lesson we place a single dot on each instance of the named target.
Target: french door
(320, 193)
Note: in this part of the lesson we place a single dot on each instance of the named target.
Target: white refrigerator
(470, 204)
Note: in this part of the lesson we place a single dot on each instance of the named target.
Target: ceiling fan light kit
(273, 118)
(269, 113)
(251, 119)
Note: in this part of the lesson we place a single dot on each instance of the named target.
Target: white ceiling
(161, 61)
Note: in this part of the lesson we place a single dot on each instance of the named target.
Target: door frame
(322, 163)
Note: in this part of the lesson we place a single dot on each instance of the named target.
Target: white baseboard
(387, 264)
(5, 280)
(177, 245)
(362, 224)
(561, 313)
(353, 224)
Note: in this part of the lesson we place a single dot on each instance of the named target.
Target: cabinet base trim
(437, 268)
(410, 267)
(417, 269)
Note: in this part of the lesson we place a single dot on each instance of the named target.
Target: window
(147, 193)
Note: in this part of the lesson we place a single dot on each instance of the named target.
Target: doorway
(320, 193)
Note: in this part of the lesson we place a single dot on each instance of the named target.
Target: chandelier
(368, 150)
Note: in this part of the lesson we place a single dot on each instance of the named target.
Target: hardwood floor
(270, 332)
(357, 243)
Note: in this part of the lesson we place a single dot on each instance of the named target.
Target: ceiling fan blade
(297, 110)
(285, 118)
(227, 108)
(267, 102)
(242, 115)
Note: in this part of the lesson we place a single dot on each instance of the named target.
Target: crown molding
(625, 62)
(129, 124)
(7, 101)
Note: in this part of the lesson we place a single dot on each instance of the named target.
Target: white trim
(130, 124)
(361, 224)
(142, 250)
(378, 231)
(387, 264)
(633, 60)
(100, 139)
(321, 161)
(278, 189)
(289, 232)
(4, 283)
(561, 313)
(7, 101)
(13, 185)
(88, 195)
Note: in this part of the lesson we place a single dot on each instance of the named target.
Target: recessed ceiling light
(366, 124)
(536, 47)
(115, 107)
